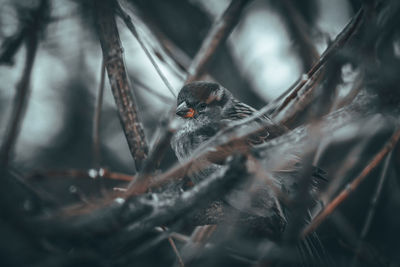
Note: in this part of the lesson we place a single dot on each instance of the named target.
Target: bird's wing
(239, 110)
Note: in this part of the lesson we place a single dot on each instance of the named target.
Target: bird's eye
(202, 106)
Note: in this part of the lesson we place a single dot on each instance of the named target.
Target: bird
(205, 109)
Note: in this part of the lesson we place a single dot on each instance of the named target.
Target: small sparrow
(205, 109)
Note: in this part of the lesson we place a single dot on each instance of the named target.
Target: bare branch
(31, 37)
(96, 120)
(298, 29)
(175, 249)
(331, 207)
(91, 173)
(128, 22)
(216, 37)
(114, 62)
(156, 154)
(339, 42)
(372, 207)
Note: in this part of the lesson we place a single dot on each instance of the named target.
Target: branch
(339, 42)
(372, 207)
(298, 29)
(114, 62)
(142, 214)
(331, 207)
(31, 37)
(174, 248)
(128, 22)
(96, 120)
(91, 173)
(215, 38)
(152, 162)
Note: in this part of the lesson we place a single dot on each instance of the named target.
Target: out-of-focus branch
(320, 92)
(372, 208)
(153, 160)
(339, 42)
(217, 35)
(21, 98)
(31, 37)
(91, 173)
(128, 22)
(331, 207)
(299, 30)
(136, 216)
(96, 120)
(10, 47)
(114, 63)
(154, 92)
(175, 249)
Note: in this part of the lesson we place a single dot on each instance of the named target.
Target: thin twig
(128, 22)
(306, 95)
(339, 42)
(21, 98)
(215, 38)
(177, 236)
(155, 156)
(198, 239)
(154, 92)
(174, 248)
(91, 173)
(115, 65)
(372, 208)
(96, 120)
(358, 84)
(331, 207)
(298, 28)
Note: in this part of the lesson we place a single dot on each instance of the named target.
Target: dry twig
(91, 173)
(174, 248)
(331, 207)
(339, 42)
(299, 30)
(128, 22)
(114, 62)
(30, 34)
(372, 207)
(96, 120)
(216, 37)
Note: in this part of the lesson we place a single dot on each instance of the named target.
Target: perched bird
(206, 109)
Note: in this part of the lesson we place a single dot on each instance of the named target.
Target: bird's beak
(184, 111)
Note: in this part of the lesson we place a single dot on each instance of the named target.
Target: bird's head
(202, 100)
